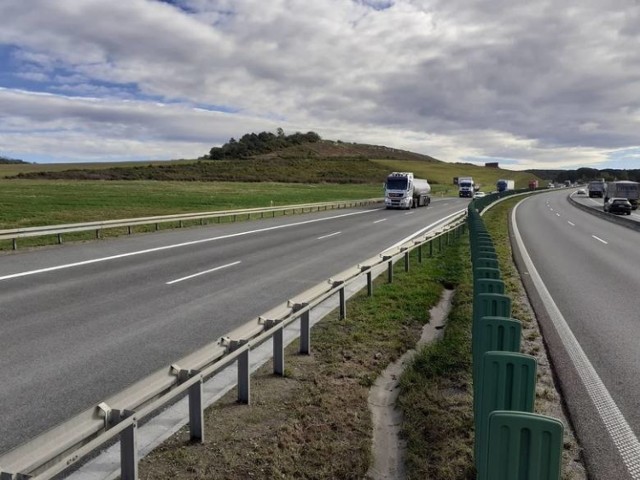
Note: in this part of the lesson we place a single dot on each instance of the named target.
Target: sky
(551, 84)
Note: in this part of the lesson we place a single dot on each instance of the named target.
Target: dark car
(618, 205)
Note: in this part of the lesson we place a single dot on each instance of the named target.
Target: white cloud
(546, 83)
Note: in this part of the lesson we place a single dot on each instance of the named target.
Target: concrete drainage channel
(388, 448)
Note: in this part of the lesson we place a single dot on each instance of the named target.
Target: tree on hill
(10, 160)
(251, 144)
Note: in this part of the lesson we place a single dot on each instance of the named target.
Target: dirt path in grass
(387, 446)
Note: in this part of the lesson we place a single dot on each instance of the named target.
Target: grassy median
(314, 423)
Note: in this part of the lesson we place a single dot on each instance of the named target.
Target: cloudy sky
(538, 84)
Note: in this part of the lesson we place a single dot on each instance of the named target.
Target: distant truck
(596, 188)
(567, 183)
(623, 189)
(503, 185)
(533, 184)
(466, 187)
(403, 190)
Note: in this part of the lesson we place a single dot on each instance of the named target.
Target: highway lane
(81, 322)
(597, 204)
(591, 268)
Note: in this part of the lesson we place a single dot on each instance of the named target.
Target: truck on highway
(503, 185)
(403, 190)
(623, 189)
(466, 187)
(596, 188)
(533, 184)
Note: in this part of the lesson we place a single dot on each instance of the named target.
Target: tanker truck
(403, 190)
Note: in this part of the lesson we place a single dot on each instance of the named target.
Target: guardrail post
(15, 244)
(278, 352)
(244, 386)
(129, 230)
(59, 239)
(369, 284)
(129, 453)
(196, 412)
(431, 248)
(390, 271)
(157, 227)
(343, 303)
(305, 334)
(406, 261)
(181, 224)
(420, 254)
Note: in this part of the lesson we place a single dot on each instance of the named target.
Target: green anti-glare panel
(487, 285)
(492, 334)
(485, 253)
(490, 305)
(522, 446)
(507, 382)
(486, 268)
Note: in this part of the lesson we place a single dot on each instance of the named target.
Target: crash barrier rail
(15, 233)
(511, 442)
(117, 418)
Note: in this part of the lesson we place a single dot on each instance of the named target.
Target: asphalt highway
(80, 322)
(590, 268)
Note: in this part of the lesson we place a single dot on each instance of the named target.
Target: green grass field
(34, 203)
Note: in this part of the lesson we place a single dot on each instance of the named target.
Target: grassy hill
(320, 162)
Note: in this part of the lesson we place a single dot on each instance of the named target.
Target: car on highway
(618, 205)
(581, 191)
(479, 195)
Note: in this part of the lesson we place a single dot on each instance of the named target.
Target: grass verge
(315, 422)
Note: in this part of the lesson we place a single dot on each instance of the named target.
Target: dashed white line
(557, 214)
(571, 223)
(409, 213)
(329, 235)
(203, 273)
(600, 240)
(378, 221)
(621, 433)
(177, 245)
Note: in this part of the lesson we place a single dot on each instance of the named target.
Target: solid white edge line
(378, 221)
(442, 220)
(600, 240)
(203, 273)
(621, 434)
(169, 247)
(330, 235)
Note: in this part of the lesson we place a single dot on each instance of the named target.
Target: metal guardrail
(65, 445)
(15, 233)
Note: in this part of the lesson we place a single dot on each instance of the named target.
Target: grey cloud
(540, 76)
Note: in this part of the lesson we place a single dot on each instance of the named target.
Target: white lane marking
(600, 240)
(409, 213)
(623, 437)
(571, 223)
(203, 273)
(557, 214)
(330, 235)
(378, 221)
(177, 245)
(409, 237)
(551, 209)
